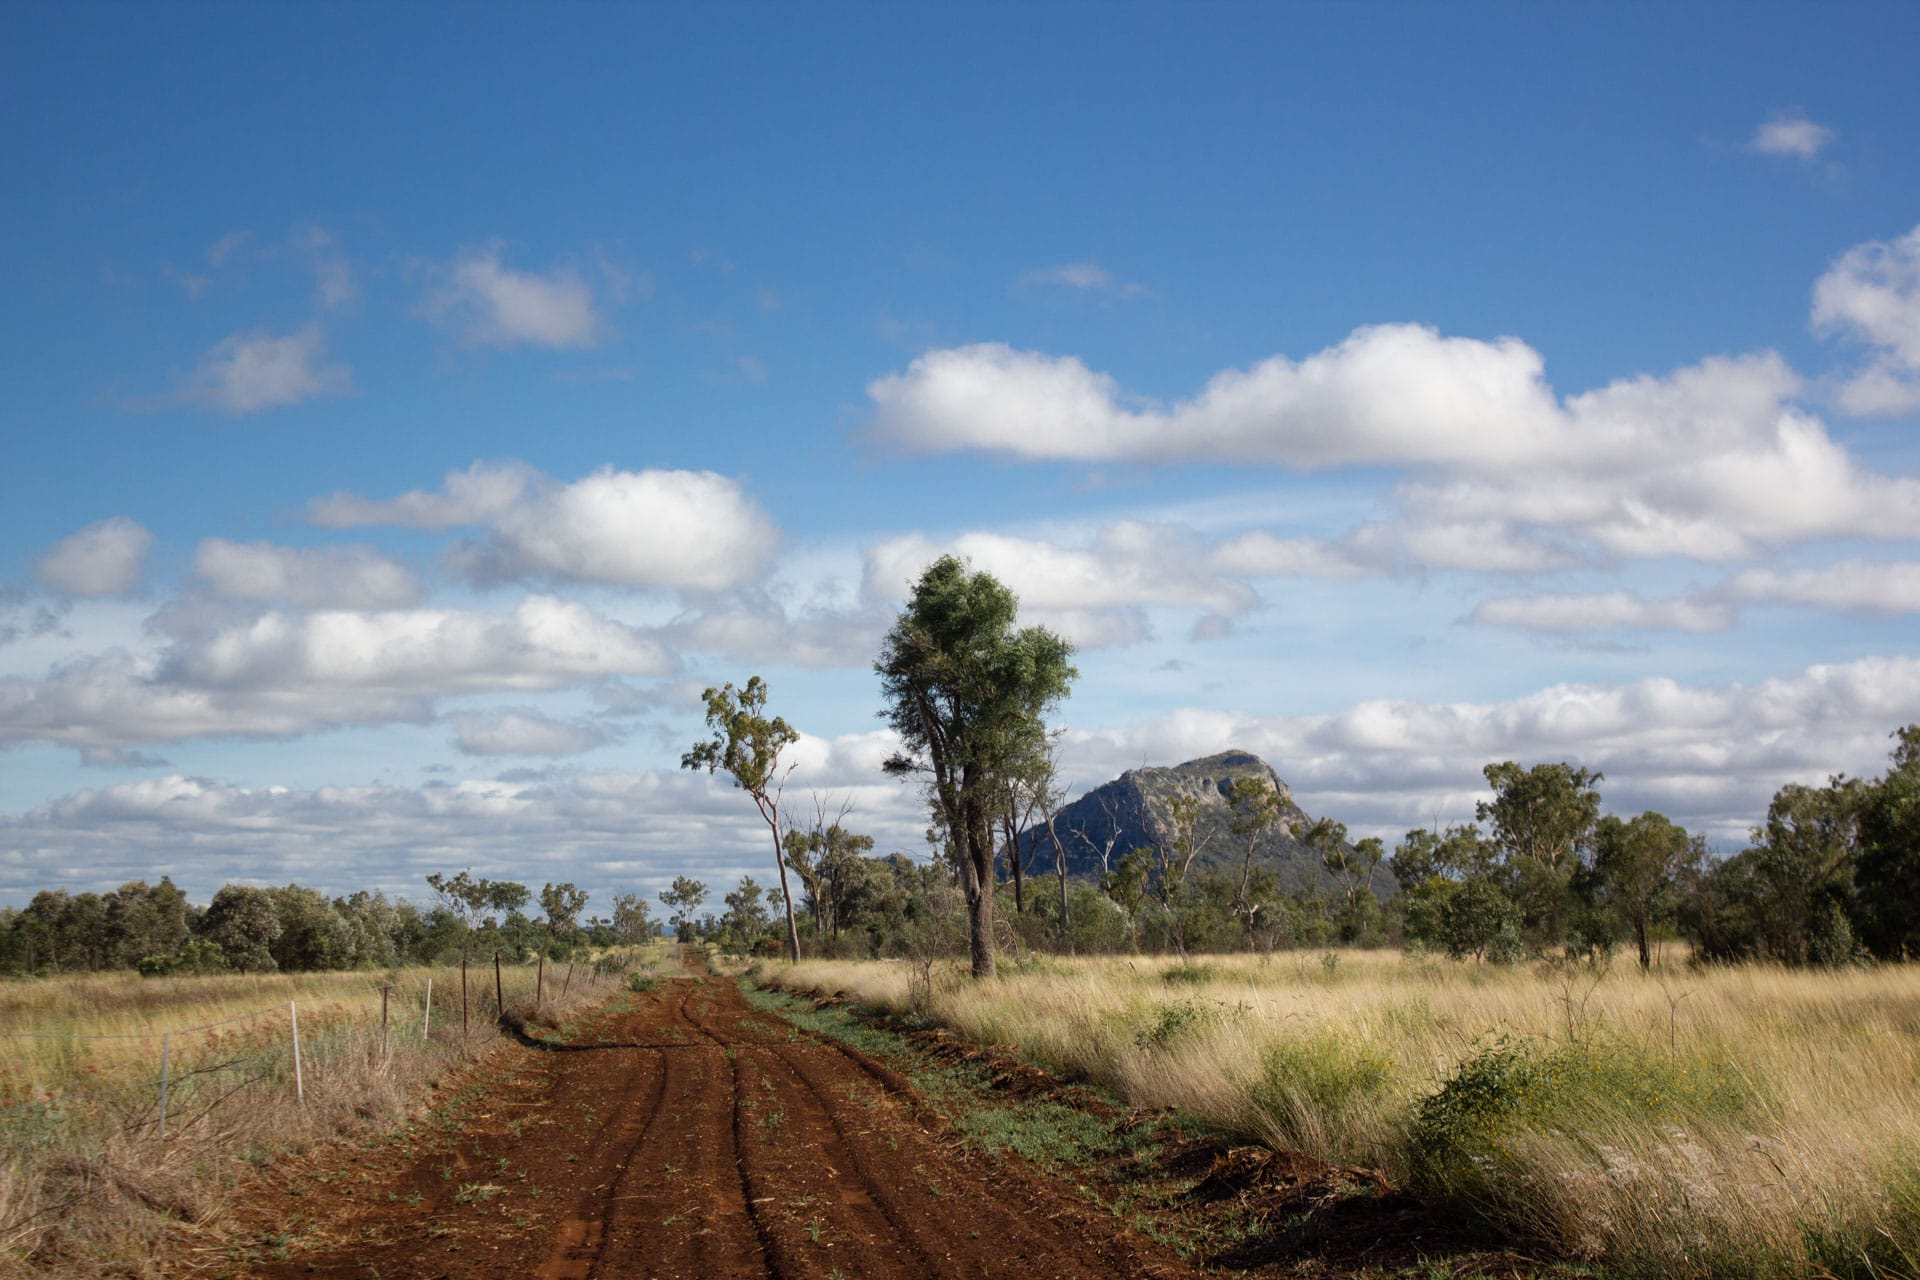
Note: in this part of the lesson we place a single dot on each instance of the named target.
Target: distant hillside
(1102, 826)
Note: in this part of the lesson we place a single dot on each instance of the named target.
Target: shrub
(1312, 1086)
(1465, 1133)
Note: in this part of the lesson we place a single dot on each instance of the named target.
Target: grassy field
(1716, 1122)
(88, 1182)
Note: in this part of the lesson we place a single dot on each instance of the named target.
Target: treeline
(154, 929)
(1831, 877)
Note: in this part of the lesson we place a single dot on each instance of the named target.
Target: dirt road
(685, 1135)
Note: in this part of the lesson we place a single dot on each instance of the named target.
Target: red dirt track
(687, 1136)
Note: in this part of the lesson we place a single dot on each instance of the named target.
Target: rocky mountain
(1101, 826)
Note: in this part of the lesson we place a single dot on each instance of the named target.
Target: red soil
(686, 1136)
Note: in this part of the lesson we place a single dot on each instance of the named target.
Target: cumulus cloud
(690, 530)
(103, 559)
(1711, 461)
(544, 643)
(282, 674)
(523, 731)
(255, 370)
(1608, 611)
(1709, 756)
(312, 578)
(473, 496)
(486, 303)
(1871, 296)
(607, 830)
(1850, 586)
(1790, 133)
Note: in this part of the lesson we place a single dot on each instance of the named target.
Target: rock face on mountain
(1102, 826)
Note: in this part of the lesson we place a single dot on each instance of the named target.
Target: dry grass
(88, 1187)
(1720, 1122)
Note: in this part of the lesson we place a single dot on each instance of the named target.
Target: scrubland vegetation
(1720, 1121)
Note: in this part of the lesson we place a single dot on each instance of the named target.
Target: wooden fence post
(465, 1026)
(499, 995)
(540, 983)
(385, 991)
(299, 1079)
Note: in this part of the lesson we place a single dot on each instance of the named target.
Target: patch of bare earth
(680, 1134)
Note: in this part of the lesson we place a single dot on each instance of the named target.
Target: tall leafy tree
(1543, 819)
(968, 693)
(1637, 862)
(1887, 879)
(747, 746)
(562, 904)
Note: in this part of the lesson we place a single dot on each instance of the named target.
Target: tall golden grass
(1710, 1122)
(88, 1183)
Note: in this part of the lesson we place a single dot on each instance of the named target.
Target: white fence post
(426, 1014)
(299, 1081)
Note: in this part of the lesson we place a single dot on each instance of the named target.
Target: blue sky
(410, 411)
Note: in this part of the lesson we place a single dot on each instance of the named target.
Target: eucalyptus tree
(1543, 818)
(747, 746)
(1638, 862)
(967, 692)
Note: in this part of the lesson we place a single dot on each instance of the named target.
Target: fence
(81, 1089)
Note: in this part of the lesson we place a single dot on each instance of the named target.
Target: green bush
(1168, 1024)
(1463, 1134)
(1309, 1085)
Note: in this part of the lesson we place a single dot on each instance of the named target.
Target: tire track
(694, 1139)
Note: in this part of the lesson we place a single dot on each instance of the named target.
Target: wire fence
(190, 1078)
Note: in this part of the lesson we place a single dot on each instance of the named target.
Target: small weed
(476, 1193)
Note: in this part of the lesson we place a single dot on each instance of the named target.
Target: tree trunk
(976, 855)
(1640, 936)
(786, 891)
(1019, 870)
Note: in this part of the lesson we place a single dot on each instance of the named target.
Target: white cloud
(488, 304)
(1129, 562)
(482, 491)
(690, 530)
(607, 830)
(1260, 554)
(1790, 133)
(315, 578)
(543, 644)
(1390, 393)
(1710, 461)
(1871, 295)
(1850, 586)
(250, 371)
(1613, 610)
(523, 731)
(1083, 277)
(1708, 756)
(751, 626)
(103, 559)
(283, 674)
